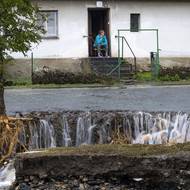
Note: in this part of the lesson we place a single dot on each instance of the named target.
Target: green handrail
(121, 49)
(120, 58)
(114, 69)
(144, 30)
(134, 56)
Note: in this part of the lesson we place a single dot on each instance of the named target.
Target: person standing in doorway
(101, 43)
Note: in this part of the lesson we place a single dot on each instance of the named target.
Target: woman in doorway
(101, 43)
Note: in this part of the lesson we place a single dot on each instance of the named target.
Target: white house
(72, 24)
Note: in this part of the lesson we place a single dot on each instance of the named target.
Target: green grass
(26, 83)
(143, 76)
(146, 78)
(52, 86)
(19, 82)
(126, 150)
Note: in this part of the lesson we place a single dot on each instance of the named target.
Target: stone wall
(105, 168)
(144, 64)
(21, 69)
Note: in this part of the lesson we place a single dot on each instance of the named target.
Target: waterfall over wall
(66, 132)
(82, 128)
(49, 130)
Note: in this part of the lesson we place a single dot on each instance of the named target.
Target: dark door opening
(98, 19)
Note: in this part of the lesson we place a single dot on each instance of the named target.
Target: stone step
(105, 62)
(106, 65)
(128, 82)
(122, 73)
(126, 77)
(126, 70)
(103, 69)
(122, 67)
(123, 77)
(103, 59)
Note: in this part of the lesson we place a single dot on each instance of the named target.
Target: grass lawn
(146, 78)
(126, 150)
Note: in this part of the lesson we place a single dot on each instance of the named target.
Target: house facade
(73, 24)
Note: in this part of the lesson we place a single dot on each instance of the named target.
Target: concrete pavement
(141, 98)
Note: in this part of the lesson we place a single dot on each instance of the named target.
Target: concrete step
(104, 61)
(106, 65)
(128, 82)
(122, 67)
(127, 70)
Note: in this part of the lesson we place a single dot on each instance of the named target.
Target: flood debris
(10, 129)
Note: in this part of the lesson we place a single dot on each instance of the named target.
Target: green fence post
(119, 56)
(155, 68)
(32, 66)
(158, 53)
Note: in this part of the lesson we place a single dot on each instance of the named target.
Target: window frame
(133, 29)
(56, 36)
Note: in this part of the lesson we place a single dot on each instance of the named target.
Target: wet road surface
(131, 98)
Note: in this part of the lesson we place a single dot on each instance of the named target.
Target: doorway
(98, 19)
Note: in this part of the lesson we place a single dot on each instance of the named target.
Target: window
(135, 22)
(50, 24)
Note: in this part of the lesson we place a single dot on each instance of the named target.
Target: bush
(58, 77)
(175, 73)
(170, 78)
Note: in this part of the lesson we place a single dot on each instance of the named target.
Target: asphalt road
(147, 98)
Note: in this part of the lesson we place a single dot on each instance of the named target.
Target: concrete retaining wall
(21, 69)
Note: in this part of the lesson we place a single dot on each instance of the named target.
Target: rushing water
(41, 135)
(7, 176)
(84, 130)
(101, 128)
(65, 132)
(138, 128)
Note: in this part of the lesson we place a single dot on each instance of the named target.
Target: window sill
(50, 38)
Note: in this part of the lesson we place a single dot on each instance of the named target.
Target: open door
(98, 19)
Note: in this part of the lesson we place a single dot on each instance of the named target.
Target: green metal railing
(122, 40)
(121, 58)
(141, 30)
(32, 66)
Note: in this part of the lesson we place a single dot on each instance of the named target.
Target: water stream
(101, 128)
(7, 175)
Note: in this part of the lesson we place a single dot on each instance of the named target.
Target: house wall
(171, 18)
